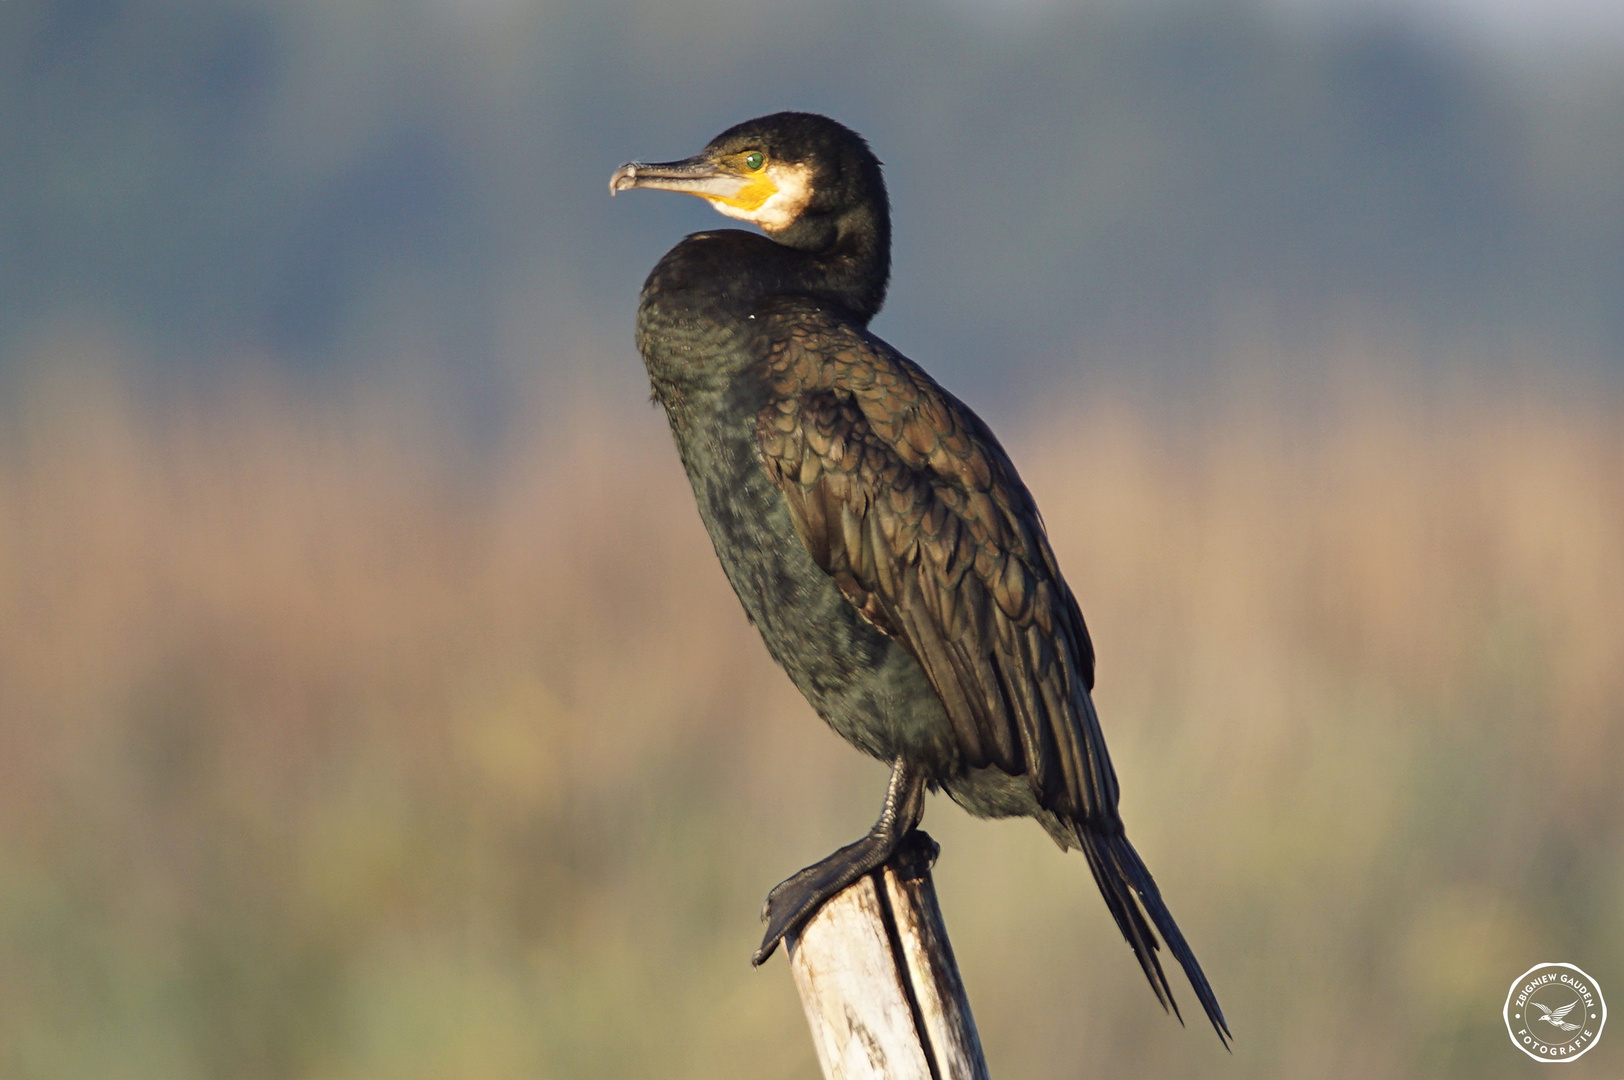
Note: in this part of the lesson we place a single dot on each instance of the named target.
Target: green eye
(754, 160)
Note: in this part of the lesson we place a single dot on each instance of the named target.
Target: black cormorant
(874, 530)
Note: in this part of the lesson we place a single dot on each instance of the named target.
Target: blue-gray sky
(1078, 188)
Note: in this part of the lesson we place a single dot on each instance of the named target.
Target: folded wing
(908, 502)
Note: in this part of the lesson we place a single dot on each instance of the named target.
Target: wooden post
(878, 982)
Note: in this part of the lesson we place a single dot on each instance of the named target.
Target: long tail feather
(1131, 894)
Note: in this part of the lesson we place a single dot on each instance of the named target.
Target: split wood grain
(878, 981)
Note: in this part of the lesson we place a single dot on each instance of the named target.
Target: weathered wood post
(878, 981)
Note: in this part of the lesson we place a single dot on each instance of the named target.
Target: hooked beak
(695, 176)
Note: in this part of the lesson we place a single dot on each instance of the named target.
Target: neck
(845, 259)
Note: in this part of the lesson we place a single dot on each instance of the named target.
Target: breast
(862, 682)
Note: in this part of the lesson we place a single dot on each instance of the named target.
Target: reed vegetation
(331, 749)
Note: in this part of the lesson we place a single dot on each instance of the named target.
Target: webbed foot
(794, 901)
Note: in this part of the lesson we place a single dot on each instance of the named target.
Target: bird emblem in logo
(1554, 1016)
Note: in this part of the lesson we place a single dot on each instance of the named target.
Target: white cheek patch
(782, 207)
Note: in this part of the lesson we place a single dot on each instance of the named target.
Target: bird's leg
(796, 900)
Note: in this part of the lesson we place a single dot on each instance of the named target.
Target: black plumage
(876, 533)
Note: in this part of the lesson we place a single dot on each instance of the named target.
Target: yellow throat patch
(757, 189)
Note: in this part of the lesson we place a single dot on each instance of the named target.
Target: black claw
(778, 931)
(915, 855)
(789, 907)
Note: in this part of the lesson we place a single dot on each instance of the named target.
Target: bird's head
(806, 180)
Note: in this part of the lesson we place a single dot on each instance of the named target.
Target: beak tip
(624, 178)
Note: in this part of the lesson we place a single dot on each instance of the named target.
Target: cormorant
(874, 530)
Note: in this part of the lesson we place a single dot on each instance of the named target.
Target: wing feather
(911, 506)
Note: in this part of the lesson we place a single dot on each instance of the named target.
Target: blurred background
(371, 704)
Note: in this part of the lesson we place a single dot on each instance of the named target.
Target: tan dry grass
(328, 750)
